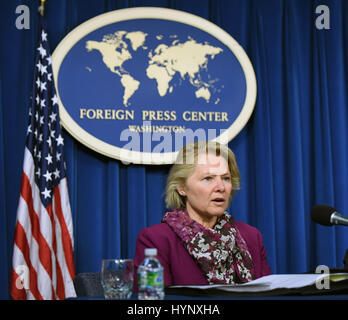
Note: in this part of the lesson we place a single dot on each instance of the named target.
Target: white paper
(271, 282)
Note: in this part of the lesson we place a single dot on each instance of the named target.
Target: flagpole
(42, 7)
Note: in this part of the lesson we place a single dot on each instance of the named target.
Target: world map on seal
(188, 58)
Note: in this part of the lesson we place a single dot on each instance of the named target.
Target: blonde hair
(185, 164)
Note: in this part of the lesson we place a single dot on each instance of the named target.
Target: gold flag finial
(42, 7)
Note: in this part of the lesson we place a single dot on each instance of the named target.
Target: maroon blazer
(179, 267)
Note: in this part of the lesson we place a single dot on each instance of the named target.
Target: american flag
(43, 261)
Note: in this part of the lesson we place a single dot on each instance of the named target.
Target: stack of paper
(272, 282)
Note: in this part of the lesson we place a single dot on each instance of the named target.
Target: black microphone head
(322, 214)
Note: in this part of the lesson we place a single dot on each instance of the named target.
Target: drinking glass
(117, 278)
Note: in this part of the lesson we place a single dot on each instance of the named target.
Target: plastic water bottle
(150, 277)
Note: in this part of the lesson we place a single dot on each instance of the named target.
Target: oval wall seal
(137, 84)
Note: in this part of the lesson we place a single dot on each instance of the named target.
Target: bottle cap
(150, 252)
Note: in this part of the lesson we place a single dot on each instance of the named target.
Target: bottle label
(150, 279)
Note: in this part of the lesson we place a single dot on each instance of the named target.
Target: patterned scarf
(221, 252)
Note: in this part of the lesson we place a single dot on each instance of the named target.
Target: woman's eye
(207, 178)
(227, 178)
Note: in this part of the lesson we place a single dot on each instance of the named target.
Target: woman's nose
(219, 184)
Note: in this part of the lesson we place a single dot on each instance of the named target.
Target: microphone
(327, 216)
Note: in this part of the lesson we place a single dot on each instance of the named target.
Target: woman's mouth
(218, 200)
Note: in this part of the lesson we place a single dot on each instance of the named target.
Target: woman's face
(208, 188)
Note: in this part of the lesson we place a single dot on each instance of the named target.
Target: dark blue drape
(292, 154)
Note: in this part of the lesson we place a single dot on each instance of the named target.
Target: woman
(198, 242)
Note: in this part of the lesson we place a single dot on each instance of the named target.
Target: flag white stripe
(66, 209)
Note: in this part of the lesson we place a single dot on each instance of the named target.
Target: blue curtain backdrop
(292, 154)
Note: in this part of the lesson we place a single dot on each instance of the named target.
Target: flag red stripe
(59, 290)
(54, 243)
(44, 249)
(66, 240)
(22, 244)
(60, 283)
